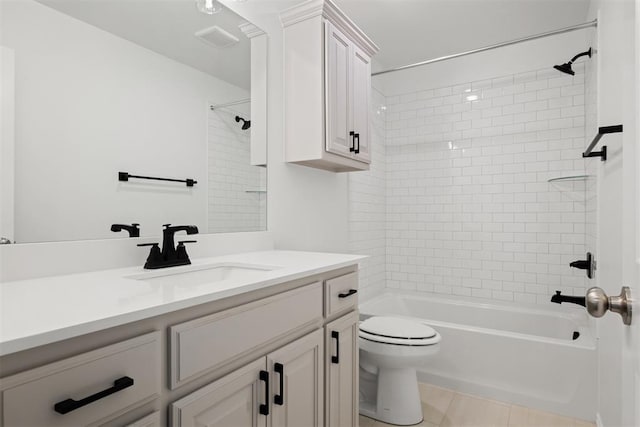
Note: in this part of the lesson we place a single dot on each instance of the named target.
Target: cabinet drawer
(205, 344)
(339, 295)
(151, 420)
(30, 398)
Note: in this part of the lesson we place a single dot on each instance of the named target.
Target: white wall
(518, 58)
(7, 146)
(103, 105)
(307, 208)
(368, 207)
(616, 84)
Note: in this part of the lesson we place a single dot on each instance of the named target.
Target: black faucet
(558, 298)
(170, 256)
(168, 245)
(133, 229)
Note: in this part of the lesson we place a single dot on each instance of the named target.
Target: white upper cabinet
(338, 87)
(327, 88)
(361, 89)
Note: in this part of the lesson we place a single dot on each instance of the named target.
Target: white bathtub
(526, 356)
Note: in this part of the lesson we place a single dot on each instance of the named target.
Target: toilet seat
(398, 331)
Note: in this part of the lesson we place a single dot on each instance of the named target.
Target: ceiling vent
(217, 37)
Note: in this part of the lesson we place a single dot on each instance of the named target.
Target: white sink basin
(194, 275)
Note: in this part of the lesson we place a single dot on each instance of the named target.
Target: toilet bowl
(391, 348)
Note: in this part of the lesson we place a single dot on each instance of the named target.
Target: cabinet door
(233, 400)
(342, 367)
(361, 86)
(297, 381)
(338, 90)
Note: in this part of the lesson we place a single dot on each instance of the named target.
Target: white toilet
(391, 348)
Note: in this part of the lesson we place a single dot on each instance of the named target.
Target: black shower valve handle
(585, 264)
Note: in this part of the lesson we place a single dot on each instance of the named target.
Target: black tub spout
(558, 298)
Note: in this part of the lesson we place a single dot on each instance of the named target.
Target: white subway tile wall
(367, 207)
(469, 209)
(237, 190)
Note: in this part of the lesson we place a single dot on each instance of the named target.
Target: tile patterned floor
(447, 408)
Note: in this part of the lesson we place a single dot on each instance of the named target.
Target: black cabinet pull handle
(336, 358)
(278, 399)
(264, 407)
(352, 147)
(348, 294)
(356, 137)
(68, 405)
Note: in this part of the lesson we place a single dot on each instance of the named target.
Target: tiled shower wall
(367, 207)
(469, 209)
(237, 190)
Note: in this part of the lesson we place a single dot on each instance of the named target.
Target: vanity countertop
(41, 311)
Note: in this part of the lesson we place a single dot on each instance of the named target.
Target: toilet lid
(399, 331)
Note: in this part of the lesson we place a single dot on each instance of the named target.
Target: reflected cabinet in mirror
(100, 96)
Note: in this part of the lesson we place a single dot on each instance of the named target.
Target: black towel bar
(601, 131)
(124, 176)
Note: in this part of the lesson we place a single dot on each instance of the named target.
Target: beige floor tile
(366, 421)
(527, 417)
(518, 416)
(435, 402)
(580, 423)
(422, 424)
(469, 411)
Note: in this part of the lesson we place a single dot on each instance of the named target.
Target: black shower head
(566, 67)
(246, 124)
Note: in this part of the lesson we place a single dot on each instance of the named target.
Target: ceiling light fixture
(209, 7)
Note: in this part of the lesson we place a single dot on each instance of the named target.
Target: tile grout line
(444, 416)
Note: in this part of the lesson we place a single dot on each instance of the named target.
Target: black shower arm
(588, 52)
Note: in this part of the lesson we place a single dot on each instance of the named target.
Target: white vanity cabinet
(283, 389)
(327, 88)
(297, 382)
(341, 350)
(230, 401)
(86, 389)
(208, 343)
(283, 356)
(341, 371)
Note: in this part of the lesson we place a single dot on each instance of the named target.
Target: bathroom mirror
(98, 95)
